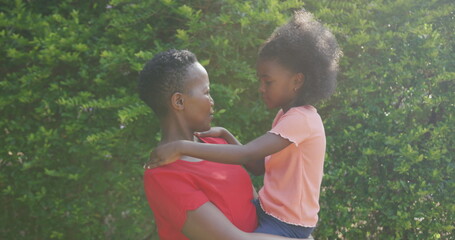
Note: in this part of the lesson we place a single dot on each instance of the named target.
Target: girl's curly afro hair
(304, 45)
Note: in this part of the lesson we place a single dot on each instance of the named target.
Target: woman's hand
(164, 154)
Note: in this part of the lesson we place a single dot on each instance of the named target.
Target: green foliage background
(74, 134)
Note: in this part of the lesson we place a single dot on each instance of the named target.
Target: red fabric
(174, 189)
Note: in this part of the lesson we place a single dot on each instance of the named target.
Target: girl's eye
(268, 82)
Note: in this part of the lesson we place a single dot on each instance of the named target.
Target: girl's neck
(286, 108)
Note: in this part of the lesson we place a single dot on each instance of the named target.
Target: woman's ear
(177, 101)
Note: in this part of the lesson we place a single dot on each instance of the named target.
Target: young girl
(297, 67)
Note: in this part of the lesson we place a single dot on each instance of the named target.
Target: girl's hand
(217, 132)
(164, 154)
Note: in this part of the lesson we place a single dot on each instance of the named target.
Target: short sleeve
(292, 126)
(170, 196)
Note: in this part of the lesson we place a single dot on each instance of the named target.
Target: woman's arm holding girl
(207, 223)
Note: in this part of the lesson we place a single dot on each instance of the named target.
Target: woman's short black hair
(162, 76)
(304, 45)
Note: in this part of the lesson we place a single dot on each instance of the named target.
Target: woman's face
(276, 84)
(198, 102)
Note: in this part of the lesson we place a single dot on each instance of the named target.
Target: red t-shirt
(176, 188)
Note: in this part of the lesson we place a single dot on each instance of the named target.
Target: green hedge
(390, 169)
(74, 134)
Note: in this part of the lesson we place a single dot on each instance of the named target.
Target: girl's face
(197, 100)
(278, 85)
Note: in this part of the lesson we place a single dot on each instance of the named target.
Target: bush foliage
(74, 134)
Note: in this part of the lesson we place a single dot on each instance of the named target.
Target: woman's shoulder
(163, 171)
(213, 140)
(181, 165)
(176, 173)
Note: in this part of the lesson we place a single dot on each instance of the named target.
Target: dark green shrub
(75, 134)
(389, 170)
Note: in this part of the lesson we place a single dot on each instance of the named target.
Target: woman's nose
(261, 88)
(212, 102)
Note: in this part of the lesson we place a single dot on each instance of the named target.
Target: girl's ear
(299, 79)
(177, 101)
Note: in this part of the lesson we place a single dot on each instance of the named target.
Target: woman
(192, 198)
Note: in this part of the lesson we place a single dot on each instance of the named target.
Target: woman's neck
(172, 134)
(175, 130)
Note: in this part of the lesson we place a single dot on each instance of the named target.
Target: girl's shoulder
(305, 113)
(304, 109)
(297, 114)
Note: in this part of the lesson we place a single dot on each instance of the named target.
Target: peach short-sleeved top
(293, 176)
